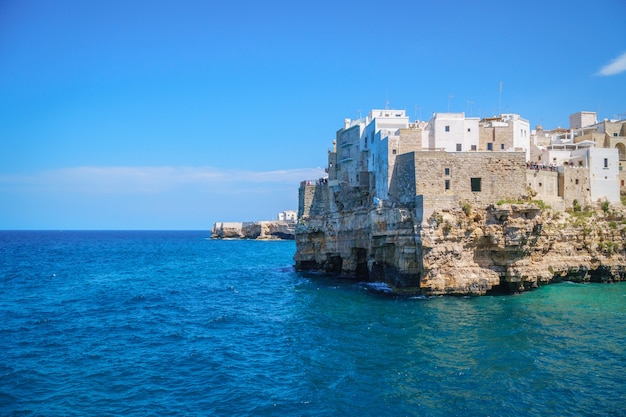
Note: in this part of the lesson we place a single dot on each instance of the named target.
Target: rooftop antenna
(416, 109)
(500, 99)
(450, 97)
(469, 103)
(386, 99)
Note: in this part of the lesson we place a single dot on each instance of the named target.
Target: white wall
(447, 130)
(521, 134)
(382, 125)
(604, 180)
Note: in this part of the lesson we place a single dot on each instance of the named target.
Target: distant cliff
(262, 230)
(507, 247)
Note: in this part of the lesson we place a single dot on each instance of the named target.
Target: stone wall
(497, 136)
(402, 184)
(410, 140)
(497, 175)
(547, 186)
(312, 199)
(573, 181)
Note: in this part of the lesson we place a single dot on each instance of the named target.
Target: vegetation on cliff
(513, 246)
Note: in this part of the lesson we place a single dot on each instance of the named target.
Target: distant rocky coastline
(261, 230)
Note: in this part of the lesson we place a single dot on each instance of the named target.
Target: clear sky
(173, 115)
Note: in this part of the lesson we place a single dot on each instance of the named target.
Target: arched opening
(622, 151)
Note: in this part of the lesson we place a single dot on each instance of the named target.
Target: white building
(452, 132)
(602, 165)
(348, 149)
(288, 215)
(515, 134)
(381, 134)
(582, 119)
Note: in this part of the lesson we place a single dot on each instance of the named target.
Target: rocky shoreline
(497, 248)
(261, 230)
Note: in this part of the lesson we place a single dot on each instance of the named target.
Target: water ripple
(169, 323)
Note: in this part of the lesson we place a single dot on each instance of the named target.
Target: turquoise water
(173, 323)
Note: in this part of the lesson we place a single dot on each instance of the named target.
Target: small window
(473, 147)
(446, 171)
(469, 130)
(394, 151)
(502, 146)
(606, 162)
(447, 128)
(540, 184)
(459, 147)
(576, 181)
(475, 185)
(539, 157)
(615, 134)
(490, 147)
(447, 184)
(621, 183)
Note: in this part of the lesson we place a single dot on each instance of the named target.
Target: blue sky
(174, 115)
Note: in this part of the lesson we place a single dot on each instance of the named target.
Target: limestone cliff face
(264, 230)
(519, 246)
(367, 244)
(466, 250)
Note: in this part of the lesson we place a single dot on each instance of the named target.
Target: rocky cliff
(508, 247)
(254, 230)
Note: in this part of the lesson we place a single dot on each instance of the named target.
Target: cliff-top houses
(385, 158)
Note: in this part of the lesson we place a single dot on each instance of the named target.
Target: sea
(173, 323)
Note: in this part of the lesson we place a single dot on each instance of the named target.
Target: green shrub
(541, 204)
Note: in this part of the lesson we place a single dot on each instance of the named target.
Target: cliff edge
(506, 247)
(263, 230)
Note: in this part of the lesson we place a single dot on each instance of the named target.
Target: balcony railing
(315, 182)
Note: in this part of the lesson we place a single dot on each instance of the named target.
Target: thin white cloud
(617, 66)
(153, 180)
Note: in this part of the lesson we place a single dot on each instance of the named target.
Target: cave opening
(360, 256)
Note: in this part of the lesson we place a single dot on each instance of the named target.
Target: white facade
(604, 173)
(453, 132)
(582, 119)
(553, 156)
(383, 126)
(521, 132)
(380, 167)
(288, 215)
(602, 163)
(348, 147)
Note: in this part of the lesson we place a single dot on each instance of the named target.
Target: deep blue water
(173, 323)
